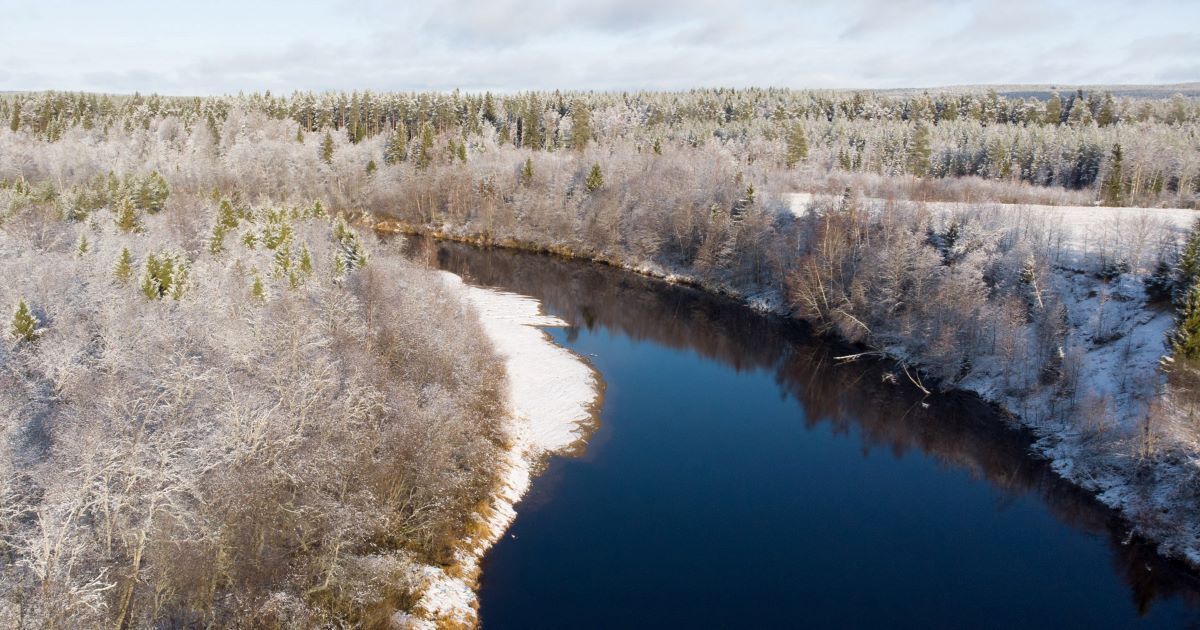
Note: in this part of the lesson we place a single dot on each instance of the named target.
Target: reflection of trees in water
(957, 430)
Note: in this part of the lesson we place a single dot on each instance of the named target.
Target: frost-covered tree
(1185, 339)
(595, 179)
(425, 148)
(1112, 191)
(797, 145)
(1187, 267)
(1054, 108)
(24, 326)
(124, 267)
(327, 148)
(581, 125)
(396, 149)
(127, 216)
(919, 150)
(527, 172)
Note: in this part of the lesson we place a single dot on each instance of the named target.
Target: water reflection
(955, 430)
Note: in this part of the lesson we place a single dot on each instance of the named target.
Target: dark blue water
(740, 478)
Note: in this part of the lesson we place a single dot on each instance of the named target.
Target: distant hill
(1043, 91)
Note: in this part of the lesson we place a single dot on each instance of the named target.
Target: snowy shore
(552, 393)
(1119, 340)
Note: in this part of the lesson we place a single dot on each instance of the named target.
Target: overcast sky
(224, 46)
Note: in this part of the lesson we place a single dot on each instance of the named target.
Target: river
(741, 477)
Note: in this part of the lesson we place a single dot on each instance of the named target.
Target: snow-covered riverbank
(552, 394)
(1094, 434)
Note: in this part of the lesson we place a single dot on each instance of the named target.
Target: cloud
(594, 44)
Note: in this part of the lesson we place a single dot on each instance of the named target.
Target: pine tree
(657, 148)
(1112, 189)
(350, 254)
(1185, 340)
(581, 125)
(257, 290)
(15, 123)
(283, 260)
(150, 193)
(124, 268)
(1161, 282)
(531, 128)
(425, 150)
(1054, 108)
(179, 278)
(527, 172)
(300, 135)
(24, 327)
(396, 149)
(81, 245)
(1108, 111)
(1079, 113)
(306, 265)
(1187, 268)
(327, 148)
(127, 218)
(919, 150)
(371, 168)
(1032, 292)
(797, 145)
(595, 179)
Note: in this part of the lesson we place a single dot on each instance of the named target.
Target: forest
(211, 357)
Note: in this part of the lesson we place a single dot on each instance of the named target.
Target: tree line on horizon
(1126, 151)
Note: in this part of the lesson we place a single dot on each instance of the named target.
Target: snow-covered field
(551, 397)
(1072, 231)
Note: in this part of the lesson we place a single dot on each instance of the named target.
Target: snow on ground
(1116, 340)
(551, 396)
(1073, 230)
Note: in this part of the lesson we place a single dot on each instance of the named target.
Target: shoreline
(554, 398)
(1047, 443)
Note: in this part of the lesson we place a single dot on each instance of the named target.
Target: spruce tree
(1108, 111)
(24, 327)
(306, 265)
(396, 149)
(797, 145)
(1185, 340)
(425, 150)
(1160, 282)
(527, 172)
(81, 245)
(919, 150)
(531, 128)
(595, 179)
(581, 125)
(327, 148)
(124, 268)
(15, 123)
(1112, 189)
(1054, 108)
(1187, 268)
(127, 218)
(371, 168)
(257, 290)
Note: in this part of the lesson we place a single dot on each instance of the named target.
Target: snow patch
(551, 394)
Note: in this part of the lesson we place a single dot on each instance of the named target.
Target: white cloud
(228, 45)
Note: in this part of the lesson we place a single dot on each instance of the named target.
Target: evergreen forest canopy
(1072, 140)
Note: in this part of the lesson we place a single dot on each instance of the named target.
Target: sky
(227, 46)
